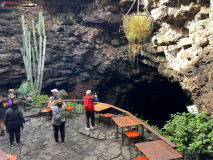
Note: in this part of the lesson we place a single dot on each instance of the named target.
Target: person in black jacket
(2, 113)
(14, 120)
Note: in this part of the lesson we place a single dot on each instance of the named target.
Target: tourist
(58, 119)
(2, 114)
(55, 96)
(14, 120)
(89, 109)
(11, 96)
(26, 98)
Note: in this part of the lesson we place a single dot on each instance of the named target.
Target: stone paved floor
(38, 142)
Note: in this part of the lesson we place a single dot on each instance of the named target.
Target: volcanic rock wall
(184, 35)
(85, 48)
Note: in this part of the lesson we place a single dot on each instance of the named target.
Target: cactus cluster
(34, 56)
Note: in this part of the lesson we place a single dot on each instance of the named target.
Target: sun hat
(54, 90)
(88, 92)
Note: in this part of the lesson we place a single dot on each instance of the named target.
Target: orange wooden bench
(11, 157)
(70, 108)
(132, 134)
(107, 115)
(140, 158)
(46, 110)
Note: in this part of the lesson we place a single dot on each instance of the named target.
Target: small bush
(25, 88)
(38, 99)
(192, 134)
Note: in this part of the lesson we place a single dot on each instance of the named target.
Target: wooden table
(3, 156)
(101, 107)
(126, 121)
(158, 150)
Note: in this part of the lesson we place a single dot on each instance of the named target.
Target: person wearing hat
(55, 96)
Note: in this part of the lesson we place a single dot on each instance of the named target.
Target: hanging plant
(137, 28)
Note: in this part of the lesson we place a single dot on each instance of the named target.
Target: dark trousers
(14, 131)
(90, 114)
(62, 131)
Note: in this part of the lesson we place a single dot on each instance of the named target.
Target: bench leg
(122, 136)
(116, 131)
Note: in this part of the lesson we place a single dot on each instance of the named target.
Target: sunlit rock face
(85, 49)
(184, 35)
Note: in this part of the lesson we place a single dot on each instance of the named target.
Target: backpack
(88, 105)
(56, 117)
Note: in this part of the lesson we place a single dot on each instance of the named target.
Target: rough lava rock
(84, 49)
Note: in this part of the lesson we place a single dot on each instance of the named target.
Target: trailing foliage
(192, 134)
(25, 89)
(38, 99)
(137, 28)
(79, 108)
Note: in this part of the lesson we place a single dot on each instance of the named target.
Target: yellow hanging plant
(137, 28)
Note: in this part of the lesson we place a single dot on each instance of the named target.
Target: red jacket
(88, 103)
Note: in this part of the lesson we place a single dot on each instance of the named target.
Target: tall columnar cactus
(34, 56)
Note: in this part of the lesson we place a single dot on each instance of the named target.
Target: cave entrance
(155, 101)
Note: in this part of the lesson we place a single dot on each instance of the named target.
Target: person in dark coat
(14, 120)
(2, 113)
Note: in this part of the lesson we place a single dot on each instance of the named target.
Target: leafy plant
(34, 56)
(192, 134)
(137, 28)
(79, 108)
(38, 99)
(25, 89)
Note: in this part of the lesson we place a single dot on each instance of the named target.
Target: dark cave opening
(155, 101)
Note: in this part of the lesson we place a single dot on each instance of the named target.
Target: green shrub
(79, 108)
(25, 88)
(192, 134)
(38, 99)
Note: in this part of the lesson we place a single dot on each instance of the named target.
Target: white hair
(88, 92)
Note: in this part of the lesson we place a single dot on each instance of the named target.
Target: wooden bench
(140, 158)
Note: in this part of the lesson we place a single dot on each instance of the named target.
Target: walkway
(38, 142)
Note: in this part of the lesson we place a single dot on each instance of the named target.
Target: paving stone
(90, 158)
(102, 136)
(38, 142)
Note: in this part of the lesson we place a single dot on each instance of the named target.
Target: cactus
(34, 57)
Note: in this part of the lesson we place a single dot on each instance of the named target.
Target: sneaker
(56, 142)
(18, 144)
(92, 128)
(62, 142)
(11, 145)
(87, 129)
